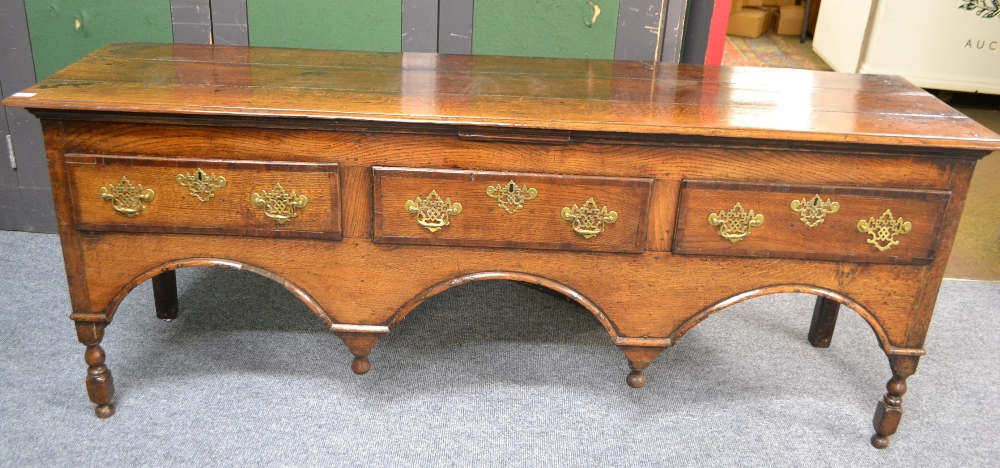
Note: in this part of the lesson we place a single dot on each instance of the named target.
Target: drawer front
(138, 194)
(500, 209)
(809, 222)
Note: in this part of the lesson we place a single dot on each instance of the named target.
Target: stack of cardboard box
(750, 18)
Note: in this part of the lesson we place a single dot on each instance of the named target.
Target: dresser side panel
(72, 245)
(924, 307)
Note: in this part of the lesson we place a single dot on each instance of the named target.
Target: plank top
(541, 94)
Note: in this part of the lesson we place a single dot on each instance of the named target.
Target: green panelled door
(374, 25)
(550, 28)
(63, 31)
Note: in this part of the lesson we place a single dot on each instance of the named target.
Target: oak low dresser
(654, 195)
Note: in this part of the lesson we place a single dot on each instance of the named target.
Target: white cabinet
(932, 43)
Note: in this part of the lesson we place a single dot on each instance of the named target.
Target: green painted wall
(62, 31)
(550, 28)
(374, 25)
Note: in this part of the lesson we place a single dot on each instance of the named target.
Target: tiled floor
(976, 253)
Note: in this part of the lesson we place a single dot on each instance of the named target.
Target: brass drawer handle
(589, 221)
(432, 212)
(884, 230)
(510, 197)
(278, 204)
(735, 224)
(201, 185)
(813, 210)
(126, 198)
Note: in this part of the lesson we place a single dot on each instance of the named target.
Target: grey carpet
(489, 374)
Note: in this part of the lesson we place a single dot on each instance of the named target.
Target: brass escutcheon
(432, 212)
(510, 197)
(201, 185)
(589, 221)
(735, 224)
(278, 204)
(884, 230)
(126, 198)
(812, 211)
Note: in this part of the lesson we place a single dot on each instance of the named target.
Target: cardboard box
(749, 22)
(789, 21)
(753, 3)
(772, 15)
(773, 11)
(737, 6)
(778, 2)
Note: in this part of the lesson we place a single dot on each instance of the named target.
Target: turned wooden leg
(639, 358)
(100, 385)
(890, 409)
(165, 295)
(360, 345)
(823, 322)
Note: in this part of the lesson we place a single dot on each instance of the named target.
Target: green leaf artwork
(983, 8)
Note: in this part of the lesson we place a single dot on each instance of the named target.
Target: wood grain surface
(360, 134)
(483, 222)
(622, 157)
(783, 234)
(509, 92)
(643, 296)
(230, 211)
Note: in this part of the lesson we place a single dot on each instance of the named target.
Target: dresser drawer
(809, 222)
(500, 209)
(139, 194)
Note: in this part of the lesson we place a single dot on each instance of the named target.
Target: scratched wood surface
(573, 95)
